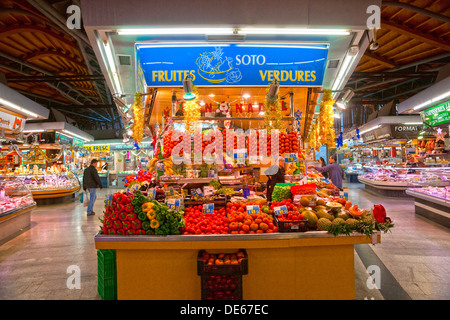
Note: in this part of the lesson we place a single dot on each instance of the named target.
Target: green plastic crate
(107, 278)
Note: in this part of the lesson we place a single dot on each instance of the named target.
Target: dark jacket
(91, 179)
(273, 179)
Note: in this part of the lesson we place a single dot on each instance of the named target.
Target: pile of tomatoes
(199, 223)
(243, 223)
(168, 144)
(292, 214)
(222, 287)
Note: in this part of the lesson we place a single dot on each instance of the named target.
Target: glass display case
(14, 196)
(47, 185)
(406, 176)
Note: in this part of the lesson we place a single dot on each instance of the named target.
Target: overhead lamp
(341, 103)
(19, 108)
(272, 94)
(246, 96)
(33, 131)
(412, 123)
(337, 115)
(212, 95)
(169, 31)
(343, 70)
(202, 103)
(188, 88)
(297, 31)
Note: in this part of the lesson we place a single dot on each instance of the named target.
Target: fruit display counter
(16, 204)
(433, 203)
(307, 228)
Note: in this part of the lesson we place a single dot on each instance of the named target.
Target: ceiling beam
(379, 59)
(416, 34)
(425, 12)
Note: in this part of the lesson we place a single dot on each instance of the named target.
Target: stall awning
(61, 127)
(17, 103)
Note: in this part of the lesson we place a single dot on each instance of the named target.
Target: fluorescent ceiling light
(75, 135)
(293, 31)
(342, 71)
(33, 131)
(246, 96)
(337, 115)
(112, 67)
(373, 128)
(340, 105)
(155, 31)
(412, 123)
(18, 108)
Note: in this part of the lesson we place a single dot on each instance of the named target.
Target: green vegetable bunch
(281, 193)
(170, 221)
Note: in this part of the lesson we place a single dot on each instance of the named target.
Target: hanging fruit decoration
(138, 118)
(273, 117)
(192, 112)
(322, 131)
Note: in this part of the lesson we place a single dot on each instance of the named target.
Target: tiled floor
(34, 264)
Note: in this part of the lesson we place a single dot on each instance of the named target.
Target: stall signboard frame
(9, 121)
(227, 64)
(96, 148)
(437, 115)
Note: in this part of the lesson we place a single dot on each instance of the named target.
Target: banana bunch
(168, 166)
(291, 168)
(302, 167)
(152, 164)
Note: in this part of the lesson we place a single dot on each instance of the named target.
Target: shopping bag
(81, 197)
(86, 199)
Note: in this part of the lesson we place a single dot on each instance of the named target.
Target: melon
(323, 224)
(338, 221)
(342, 215)
(311, 217)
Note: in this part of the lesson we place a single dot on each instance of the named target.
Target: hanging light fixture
(272, 94)
(341, 103)
(188, 91)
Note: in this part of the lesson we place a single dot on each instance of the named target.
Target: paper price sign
(208, 208)
(152, 193)
(173, 204)
(280, 210)
(170, 191)
(208, 191)
(197, 192)
(253, 209)
(290, 157)
(240, 154)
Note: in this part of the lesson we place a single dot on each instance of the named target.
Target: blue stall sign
(253, 209)
(208, 208)
(280, 210)
(223, 64)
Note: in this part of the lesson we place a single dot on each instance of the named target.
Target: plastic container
(221, 287)
(291, 225)
(107, 277)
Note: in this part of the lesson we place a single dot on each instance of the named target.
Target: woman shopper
(91, 180)
(323, 164)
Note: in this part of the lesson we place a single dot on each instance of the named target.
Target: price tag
(159, 166)
(208, 208)
(253, 209)
(152, 193)
(290, 157)
(173, 204)
(208, 190)
(169, 192)
(240, 154)
(280, 210)
(197, 192)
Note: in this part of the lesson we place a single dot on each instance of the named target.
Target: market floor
(413, 260)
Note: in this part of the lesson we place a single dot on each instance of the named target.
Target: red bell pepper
(112, 231)
(123, 216)
(128, 208)
(126, 225)
(131, 216)
(108, 223)
(121, 232)
(140, 232)
(117, 224)
(130, 232)
(136, 224)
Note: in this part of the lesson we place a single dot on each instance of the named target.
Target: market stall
(433, 203)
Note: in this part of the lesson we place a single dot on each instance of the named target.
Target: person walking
(334, 170)
(91, 180)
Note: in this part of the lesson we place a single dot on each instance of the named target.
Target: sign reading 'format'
(232, 64)
(437, 115)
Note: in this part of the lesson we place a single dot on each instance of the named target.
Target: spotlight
(187, 87)
(374, 44)
(341, 103)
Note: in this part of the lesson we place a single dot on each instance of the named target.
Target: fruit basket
(285, 225)
(222, 287)
(222, 263)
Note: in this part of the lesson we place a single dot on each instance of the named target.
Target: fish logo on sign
(214, 67)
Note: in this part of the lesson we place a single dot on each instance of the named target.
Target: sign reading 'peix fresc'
(232, 64)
